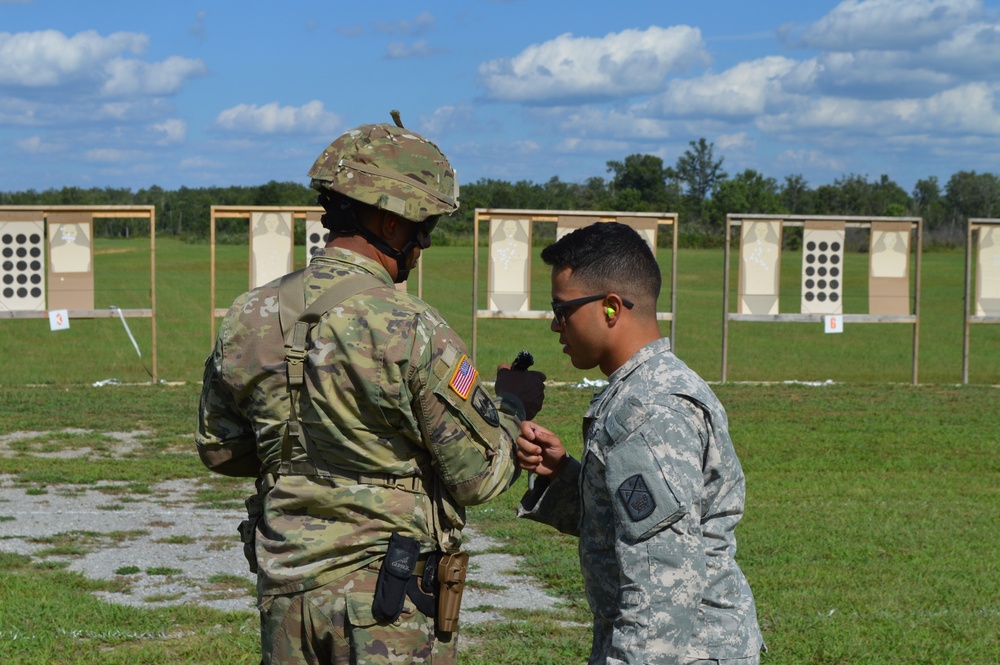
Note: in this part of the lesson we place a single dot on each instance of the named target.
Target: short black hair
(611, 257)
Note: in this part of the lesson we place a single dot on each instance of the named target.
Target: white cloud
(970, 108)
(876, 74)
(173, 131)
(738, 140)
(133, 77)
(49, 58)
(888, 24)
(36, 145)
(591, 121)
(18, 111)
(109, 155)
(799, 159)
(197, 29)
(64, 77)
(449, 119)
(419, 49)
(200, 162)
(591, 147)
(424, 22)
(618, 65)
(276, 119)
(972, 49)
(747, 89)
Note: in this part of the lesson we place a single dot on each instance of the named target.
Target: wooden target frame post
(515, 303)
(887, 289)
(75, 284)
(982, 305)
(310, 215)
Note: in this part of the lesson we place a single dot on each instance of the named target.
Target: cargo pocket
(359, 610)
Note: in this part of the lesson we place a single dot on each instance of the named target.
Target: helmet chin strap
(402, 272)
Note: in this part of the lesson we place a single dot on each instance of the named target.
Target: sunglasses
(424, 229)
(563, 309)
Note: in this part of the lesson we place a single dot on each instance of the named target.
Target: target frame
(82, 280)
(883, 288)
(982, 287)
(316, 238)
(647, 224)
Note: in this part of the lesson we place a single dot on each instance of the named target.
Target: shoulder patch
(636, 497)
(464, 377)
(485, 407)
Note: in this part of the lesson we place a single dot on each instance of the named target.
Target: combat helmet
(388, 167)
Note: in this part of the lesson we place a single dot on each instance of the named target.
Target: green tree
(969, 195)
(646, 176)
(856, 195)
(795, 195)
(748, 192)
(929, 203)
(700, 171)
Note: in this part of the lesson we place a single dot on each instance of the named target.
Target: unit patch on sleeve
(464, 378)
(636, 498)
(485, 407)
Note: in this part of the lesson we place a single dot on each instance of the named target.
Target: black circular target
(22, 269)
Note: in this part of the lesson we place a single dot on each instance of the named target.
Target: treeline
(696, 187)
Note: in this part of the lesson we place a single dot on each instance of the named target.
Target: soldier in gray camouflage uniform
(659, 491)
(391, 432)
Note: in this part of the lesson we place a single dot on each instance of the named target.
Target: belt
(347, 477)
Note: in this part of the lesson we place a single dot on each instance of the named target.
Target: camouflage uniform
(407, 449)
(655, 502)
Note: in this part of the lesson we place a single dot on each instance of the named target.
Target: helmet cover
(390, 168)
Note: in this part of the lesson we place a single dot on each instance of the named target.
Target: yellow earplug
(610, 311)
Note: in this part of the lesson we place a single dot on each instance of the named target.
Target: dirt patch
(162, 549)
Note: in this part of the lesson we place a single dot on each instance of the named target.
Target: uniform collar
(654, 348)
(337, 257)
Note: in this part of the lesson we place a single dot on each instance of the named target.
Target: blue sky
(203, 93)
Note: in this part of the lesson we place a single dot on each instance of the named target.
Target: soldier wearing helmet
(360, 413)
(390, 170)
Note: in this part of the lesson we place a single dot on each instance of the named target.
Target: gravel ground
(164, 530)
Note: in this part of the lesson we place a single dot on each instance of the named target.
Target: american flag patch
(464, 377)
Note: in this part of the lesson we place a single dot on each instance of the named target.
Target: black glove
(523, 390)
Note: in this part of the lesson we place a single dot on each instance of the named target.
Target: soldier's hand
(540, 450)
(527, 387)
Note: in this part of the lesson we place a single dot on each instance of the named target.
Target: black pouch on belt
(393, 576)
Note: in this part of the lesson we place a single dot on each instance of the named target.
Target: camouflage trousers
(749, 660)
(333, 624)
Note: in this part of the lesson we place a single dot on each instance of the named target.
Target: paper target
(316, 237)
(71, 261)
(888, 271)
(23, 266)
(271, 241)
(760, 267)
(510, 264)
(822, 270)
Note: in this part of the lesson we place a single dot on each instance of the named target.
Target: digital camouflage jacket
(655, 502)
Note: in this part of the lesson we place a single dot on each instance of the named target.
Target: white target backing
(22, 254)
(823, 268)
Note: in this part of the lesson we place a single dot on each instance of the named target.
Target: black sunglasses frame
(561, 308)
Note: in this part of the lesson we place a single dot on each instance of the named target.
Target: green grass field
(99, 349)
(872, 521)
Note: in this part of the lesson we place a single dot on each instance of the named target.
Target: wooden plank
(82, 314)
(818, 318)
